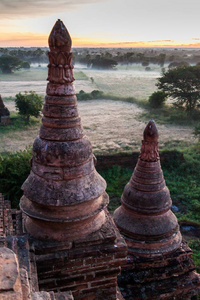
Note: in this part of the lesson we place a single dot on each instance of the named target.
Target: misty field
(112, 126)
(125, 81)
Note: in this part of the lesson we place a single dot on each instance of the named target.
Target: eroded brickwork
(159, 264)
(6, 223)
(76, 244)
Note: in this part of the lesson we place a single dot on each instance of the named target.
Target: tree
(183, 85)
(157, 99)
(103, 63)
(9, 63)
(175, 64)
(25, 65)
(161, 59)
(28, 104)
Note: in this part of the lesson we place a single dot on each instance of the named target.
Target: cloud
(35, 8)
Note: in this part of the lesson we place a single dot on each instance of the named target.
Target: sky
(102, 23)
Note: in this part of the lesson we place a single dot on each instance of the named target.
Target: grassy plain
(112, 126)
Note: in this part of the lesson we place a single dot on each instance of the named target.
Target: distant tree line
(37, 55)
(108, 58)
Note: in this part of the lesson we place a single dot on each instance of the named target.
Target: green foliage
(14, 169)
(169, 115)
(183, 85)
(145, 63)
(28, 104)
(182, 179)
(25, 65)
(103, 63)
(17, 124)
(116, 178)
(175, 64)
(196, 131)
(195, 245)
(9, 63)
(95, 94)
(157, 99)
(182, 175)
(83, 95)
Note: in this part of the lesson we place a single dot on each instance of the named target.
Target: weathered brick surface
(87, 269)
(20, 246)
(6, 222)
(159, 264)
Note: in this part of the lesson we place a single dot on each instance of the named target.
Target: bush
(28, 104)
(25, 65)
(95, 94)
(195, 245)
(14, 169)
(157, 99)
(83, 95)
(196, 131)
(145, 63)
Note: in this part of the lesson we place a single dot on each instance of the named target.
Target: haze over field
(130, 81)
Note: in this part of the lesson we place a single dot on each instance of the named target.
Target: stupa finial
(59, 38)
(151, 133)
(149, 149)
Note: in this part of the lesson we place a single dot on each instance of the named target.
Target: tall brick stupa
(159, 263)
(77, 246)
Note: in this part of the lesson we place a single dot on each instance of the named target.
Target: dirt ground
(110, 125)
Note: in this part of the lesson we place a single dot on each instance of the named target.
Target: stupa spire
(145, 215)
(159, 263)
(64, 197)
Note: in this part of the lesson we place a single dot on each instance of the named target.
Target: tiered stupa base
(167, 277)
(87, 267)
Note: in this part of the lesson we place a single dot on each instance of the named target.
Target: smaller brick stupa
(4, 113)
(159, 263)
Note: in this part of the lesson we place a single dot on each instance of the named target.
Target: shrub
(25, 65)
(28, 104)
(14, 169)
(95, 94)
(83, 95)
(157, 99)
(195, 245)
(145, 63)
(196, 131)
